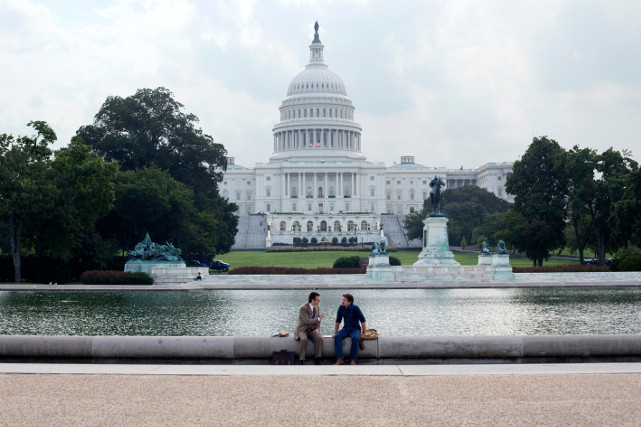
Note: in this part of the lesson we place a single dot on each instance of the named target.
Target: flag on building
(316, 144)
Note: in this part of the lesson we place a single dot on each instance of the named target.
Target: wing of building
(318, 183)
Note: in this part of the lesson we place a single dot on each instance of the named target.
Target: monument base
(485, 259)
(147, 266)
(436, 244)
(502, 268)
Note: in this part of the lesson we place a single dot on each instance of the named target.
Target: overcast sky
(451, 82)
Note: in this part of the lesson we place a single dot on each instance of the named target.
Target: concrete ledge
(382, 351)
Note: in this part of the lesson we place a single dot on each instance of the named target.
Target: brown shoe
(353, 362)
(339, 362)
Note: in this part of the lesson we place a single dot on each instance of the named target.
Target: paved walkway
(546, 394)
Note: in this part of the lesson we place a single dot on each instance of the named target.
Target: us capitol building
(318, 183)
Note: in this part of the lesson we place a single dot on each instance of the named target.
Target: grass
(313, 259)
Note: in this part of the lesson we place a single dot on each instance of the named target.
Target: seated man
(308, 328)
(352, 315)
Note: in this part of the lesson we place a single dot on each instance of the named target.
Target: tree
(150, 129)
(25, 190)
(150, 200)
(626, 220)
(464, 207)
(539, 185)
(492, 228)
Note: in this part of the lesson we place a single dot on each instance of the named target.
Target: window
(309, 207)
(372, 191)
(249, 195)
(268, 178)
(282, 226)
(296, 226)
(411, 209)
(424, 195)
(411, 182)
(388, 208)
(311, 112)
(389, 195)
(310, 226)
(268, 207)
(411, 194)
(364, 226)
(331, 177)
(347, 207)
(424, 182)
(371, 178)
(249, 210)
(294, 207)
(249, 182)
(337, 226)
(309, 191)
(331, 206)
(224, 182)
(226, 194)
(309, 178)
(399, 210)
(238, 195)
(398, 195)
(398, 182)
(268, 192)
(371, 207)
(499, 178)
(294, 193)
(388, 182)
(324, 113)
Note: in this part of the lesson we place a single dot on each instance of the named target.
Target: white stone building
(319, 184)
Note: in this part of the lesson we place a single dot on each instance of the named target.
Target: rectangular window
(268, 193)
(388, 208)
(388, 182)
(372, 191)
(269, 178)
(398, 196)
(331, 206)
(237, 195)
(309, 207)
(269, 207)
(294, 207)
(371, 178)
(249, 183)
(399, 209)
(346, 207)
(398, 182)
(389, 196)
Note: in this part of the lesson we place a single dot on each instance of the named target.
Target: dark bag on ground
(283, 357)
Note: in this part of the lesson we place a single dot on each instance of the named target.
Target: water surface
(534, 311)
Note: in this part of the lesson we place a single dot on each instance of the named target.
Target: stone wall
(259, 350)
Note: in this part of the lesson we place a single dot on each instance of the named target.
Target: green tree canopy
(25, 188)
(465, 208)
(539, 185)
(149, 129)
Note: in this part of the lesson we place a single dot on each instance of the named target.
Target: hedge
(571, 268)
(110, 277)
(294, 270)
(627, 262)
(347, 262)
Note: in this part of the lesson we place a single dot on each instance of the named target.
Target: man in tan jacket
(308, 328)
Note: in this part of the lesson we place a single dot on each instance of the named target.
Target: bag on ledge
(370, 334)
(283, 357)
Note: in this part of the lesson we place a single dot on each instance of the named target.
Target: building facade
(318, 183)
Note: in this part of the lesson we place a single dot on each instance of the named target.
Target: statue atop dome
(316, 39)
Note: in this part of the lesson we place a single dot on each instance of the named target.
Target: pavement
(506, 394)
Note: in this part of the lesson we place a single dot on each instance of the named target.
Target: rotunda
(317, 116)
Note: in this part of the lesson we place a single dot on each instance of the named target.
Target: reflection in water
(534, 311)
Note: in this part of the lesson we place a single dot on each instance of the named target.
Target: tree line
(577, 198)
(141, 166)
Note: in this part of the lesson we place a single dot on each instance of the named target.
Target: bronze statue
(436, 195)
(378, 249)
(150, 251)
(484, 249)
(501, 248)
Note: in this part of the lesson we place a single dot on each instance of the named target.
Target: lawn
(313, 259)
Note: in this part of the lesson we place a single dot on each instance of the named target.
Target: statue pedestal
(147, 266)
(378, 261)
(501, 268)
(485, 259)
(436, 245)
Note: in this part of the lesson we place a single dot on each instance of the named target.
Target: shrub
(335, 241)
(293, 270)
(463, 243)
(572, 268)
(347, 262)
(110, 277)
(394, 261)
(313, 241)
(627, 260)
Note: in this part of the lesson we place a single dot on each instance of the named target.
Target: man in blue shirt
(354, 320)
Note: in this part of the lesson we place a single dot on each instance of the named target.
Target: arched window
(296, 226)
(310, 226)
(364, 225)
(351, 226)
(323, 226)
(282, 226)
(337, 226)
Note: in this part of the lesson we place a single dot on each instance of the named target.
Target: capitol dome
(317, 116)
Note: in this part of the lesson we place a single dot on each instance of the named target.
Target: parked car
(219, 265)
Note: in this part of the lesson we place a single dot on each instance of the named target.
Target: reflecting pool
(534, 311)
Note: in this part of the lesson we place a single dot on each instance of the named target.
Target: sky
(452, 82)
